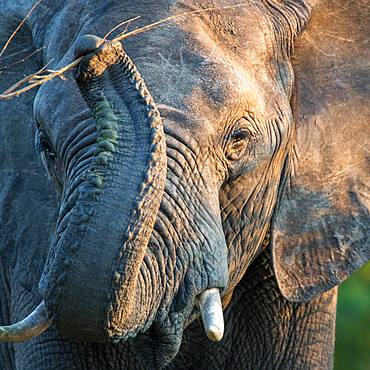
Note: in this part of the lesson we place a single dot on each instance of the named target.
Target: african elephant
(237, 170)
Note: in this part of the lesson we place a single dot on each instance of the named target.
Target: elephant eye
(237, 143)
(47, 155)
(43, 148)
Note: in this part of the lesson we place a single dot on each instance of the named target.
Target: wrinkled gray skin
(240, 149)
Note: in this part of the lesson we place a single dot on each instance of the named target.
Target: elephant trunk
(93, 288)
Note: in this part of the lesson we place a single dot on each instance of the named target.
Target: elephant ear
(320, 230)
(23, 181)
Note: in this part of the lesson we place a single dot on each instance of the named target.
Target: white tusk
(34, 324)
(211, 309)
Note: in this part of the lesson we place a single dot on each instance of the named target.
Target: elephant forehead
(203, 77)
(206, 67)
(198, 85)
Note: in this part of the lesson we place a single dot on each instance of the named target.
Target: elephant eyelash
(238, 140)
(47, 154)
(240, 135)
(42, 144)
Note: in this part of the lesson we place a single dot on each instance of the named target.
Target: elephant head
(164, 205)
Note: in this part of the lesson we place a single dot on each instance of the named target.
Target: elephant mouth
(160, 344)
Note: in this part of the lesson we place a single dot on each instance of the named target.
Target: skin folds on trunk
(92, 286)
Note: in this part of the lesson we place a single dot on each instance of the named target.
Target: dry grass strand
(18, 27)
(38, 78)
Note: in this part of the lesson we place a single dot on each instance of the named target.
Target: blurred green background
(352, 350)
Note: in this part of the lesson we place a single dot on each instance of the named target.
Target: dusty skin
(216, 163)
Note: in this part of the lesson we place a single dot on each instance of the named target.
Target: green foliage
(353, 323)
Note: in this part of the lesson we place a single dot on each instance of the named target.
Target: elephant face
(156, 209)
(228, 123)
(163, 201)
